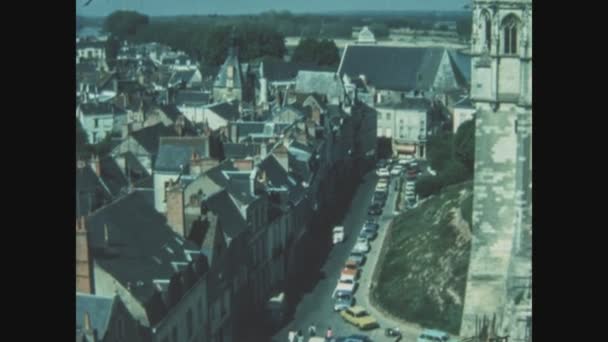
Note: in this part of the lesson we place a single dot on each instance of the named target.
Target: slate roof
(141, 245)
(87, 186)
(149, 137)
(99, 309)
(176, 151)
(181, 76)
(101, 108)
(231, 220)
(409, 103)
(464, 103)
(277, 177)
(393, 68)
(275, 71)
(319, 82)
(221, 78)
(238, 151)
(462, 63)
(112, 176)
(227, 110)
(134, 164)
(239, 186)
(191, 98)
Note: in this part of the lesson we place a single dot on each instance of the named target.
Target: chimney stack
(175, 209)
(83, 263)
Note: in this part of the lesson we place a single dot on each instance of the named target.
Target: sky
(194, 7)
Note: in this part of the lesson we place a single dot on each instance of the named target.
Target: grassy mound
(423, 268)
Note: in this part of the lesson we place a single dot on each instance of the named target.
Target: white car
(383, 172)
(397, 170)
(406, 159)
(362, 245)
(338, 235)
(345, 285)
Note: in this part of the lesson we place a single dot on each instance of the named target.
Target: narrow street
(316, 306)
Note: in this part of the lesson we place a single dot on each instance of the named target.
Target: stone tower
(499, 277)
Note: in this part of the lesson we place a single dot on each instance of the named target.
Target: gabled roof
(462, 63)
(112, 176)
(238, 151)
(99, 309)
(88, 186)
(176, 151)
(275, 71)
(229, 111)
(393, 68)
(141, 246)
(277, 177)
(230, 218)
(319, 82)
(239, 186)
(101, 108)
(191, 98)
(409, 103)
(149, 137)
(182, 76)
(222, 76)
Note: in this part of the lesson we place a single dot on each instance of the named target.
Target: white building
(99, 119)
(366, 36)
(406, 125)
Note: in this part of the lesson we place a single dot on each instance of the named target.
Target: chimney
(96, 165)
(195, 164)
(175, 209)
(83, 262)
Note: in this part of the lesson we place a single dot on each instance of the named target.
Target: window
(488, 30)
(510, 34)
(94, 137)
(189, 322)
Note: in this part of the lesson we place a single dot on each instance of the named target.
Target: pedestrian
(300, 337)
(312, 330)
(329, 334)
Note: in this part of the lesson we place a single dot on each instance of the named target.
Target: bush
(428, 185)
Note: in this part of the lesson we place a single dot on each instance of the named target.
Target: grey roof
(141, 246)
(246, 128)
(238, 151)
(227, 110)
(275, 71)
(239, 186)
(462, 63)
(464, 103)
(409, 103)
(176, 151)
(319, 82)
(191, 98)
(181, 76)
(393, 68)
(222, 75)
(277, 177)
(101, 108)
(112, 175)
(88, 186)
(230, 218)
(99, 309)
(149, 137)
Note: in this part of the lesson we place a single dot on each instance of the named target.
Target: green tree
(440, 150)
(380, 30)
(306, 51)
(327, 53)
(464, 144)
(124, 23)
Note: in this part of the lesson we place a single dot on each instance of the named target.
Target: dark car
(374, 210)
(371, 225)
(357, 258)
(368, 233)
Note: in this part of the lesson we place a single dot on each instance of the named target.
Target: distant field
(396, 40)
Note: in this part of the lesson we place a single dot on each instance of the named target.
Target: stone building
(230, 81)
(499, 278)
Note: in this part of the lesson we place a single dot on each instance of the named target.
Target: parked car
(397, 170)
(338, 234)
(349, 273)
(383, 172)
(368, 233)
(344, 300)
(371, 225)
(362, 245)
(358, 316)
(347, 285)
(354, 338)
(429, 335)
(375, 210)
(357, 258)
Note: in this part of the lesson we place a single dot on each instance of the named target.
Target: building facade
(499, 278)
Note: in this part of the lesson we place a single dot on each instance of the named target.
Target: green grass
(410, 264)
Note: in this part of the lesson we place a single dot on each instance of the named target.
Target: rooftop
(177, 151)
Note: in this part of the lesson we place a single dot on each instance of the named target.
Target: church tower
(499, 276)
(230, 80)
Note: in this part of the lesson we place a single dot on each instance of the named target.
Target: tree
(464, 144)
(440, 150)
(124, 23)
(379, 30)
(321, 53)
